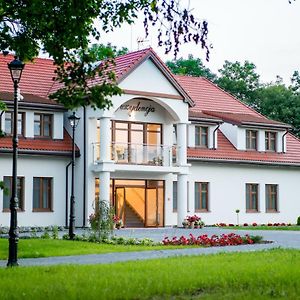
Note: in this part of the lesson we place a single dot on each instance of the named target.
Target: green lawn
(292, 228)
(272, 274)
(44, 248)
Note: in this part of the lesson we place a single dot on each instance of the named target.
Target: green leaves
(191, 66)
(241, 80)
(64, 28)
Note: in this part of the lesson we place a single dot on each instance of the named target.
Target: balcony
(139, 154)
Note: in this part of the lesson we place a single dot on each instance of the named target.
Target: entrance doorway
(139, 203)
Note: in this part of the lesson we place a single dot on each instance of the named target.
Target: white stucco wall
(30, 167)
(147, 77)
(227, 192)
(231, 133)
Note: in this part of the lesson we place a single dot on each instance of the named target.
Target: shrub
(46, 234)
(245, 224)
(102, 220)
(298, 221)
(254, 224)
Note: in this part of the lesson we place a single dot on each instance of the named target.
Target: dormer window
(42, 125)
(270, 141)
(201, 136)
(9, 119)
(251, 139)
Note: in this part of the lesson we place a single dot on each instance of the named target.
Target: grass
(253, 275)
(45, 248)
(291, 228)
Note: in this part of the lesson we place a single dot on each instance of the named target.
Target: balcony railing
(139, 154)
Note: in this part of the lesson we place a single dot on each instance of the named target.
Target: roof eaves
(240, 161)
(199, 119)
(267, 125)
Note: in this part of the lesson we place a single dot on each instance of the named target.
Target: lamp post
(15, 67)
(74, 120)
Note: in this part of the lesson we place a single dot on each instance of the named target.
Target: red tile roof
(125, 64)
(208, 96)
(201, 116)
(227, 152)
(36, 77)
(41, 145)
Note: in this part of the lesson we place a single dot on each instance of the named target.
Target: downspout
(67, 191)
(286, 132)
(84, 167)
(214, 137)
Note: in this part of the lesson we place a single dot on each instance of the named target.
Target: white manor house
(170, 146)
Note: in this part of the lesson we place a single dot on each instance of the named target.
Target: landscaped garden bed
(255, 226)
(230, 239)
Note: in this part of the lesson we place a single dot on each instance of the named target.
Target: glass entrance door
(139, 202)
(154, 203)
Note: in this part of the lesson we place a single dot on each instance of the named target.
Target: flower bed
(254, 224)
(230, 239)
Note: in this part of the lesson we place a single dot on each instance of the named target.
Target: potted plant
(199, 223)
(185, 223)
(192, 221)
(117, 222)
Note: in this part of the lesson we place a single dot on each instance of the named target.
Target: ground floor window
(201, 196)
(42, 194)
(271, 197)
(251, 197)
(175, 196)
(7, 195)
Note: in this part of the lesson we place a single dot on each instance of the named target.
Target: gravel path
(284, 239)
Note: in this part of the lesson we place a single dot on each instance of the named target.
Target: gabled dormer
(202, 132)
(250, 132)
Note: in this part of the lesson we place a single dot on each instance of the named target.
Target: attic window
(270, 141)
(251, 139)
(201, 136)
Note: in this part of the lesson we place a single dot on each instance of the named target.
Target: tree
(241, 80)
(26, 27)
(280, 103)
(191, 66)
(63, 28)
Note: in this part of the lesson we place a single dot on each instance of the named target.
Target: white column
(104, 178)
(261, 140)
(181, 198)
(182, 144)
(105, 139)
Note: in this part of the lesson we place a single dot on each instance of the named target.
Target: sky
(265, 32)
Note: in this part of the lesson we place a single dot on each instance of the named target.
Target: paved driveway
(285, 239)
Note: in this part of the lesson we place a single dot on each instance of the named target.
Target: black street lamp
(15, 67)
(74, 120)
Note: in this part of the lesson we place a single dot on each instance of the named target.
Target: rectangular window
(271, 197)
(201, 136)
(8, 123)
(42, 194)
(251, 197)
(251, 140)
(20, 192)
(175, 196)
(42, 125)
(201, 196)
(270, 141)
